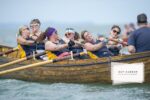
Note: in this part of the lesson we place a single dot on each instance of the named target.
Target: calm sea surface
(20, 90)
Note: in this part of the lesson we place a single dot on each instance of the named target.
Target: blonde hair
(21, 28)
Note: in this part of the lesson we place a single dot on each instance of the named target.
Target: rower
(55, 46)
(114, 41)
(25, 44)
(38, 36)
(70, 34)
(96, 47)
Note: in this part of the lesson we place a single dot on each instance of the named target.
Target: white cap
(70, 30)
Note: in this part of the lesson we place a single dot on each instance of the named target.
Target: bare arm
(93, 47)
(78, 44)
(131, 49)
(53, 47)
(23, 41)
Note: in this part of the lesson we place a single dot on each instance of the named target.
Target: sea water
(20, 90)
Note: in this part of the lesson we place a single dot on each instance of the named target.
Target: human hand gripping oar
(22, 59)
(40, 63)
(9, 51)
(118, 41)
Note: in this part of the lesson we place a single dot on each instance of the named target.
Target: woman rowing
(37, 35)
(26, 44)
(70, 34)
(96, 47)
(114, 43)
(55, 46)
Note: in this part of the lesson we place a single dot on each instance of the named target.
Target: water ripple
(20, 90)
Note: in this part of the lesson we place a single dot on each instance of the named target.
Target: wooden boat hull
(76, 71)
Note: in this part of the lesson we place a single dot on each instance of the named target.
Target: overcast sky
(73, 11)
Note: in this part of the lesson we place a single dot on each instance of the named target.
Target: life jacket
(102, 52)
(22, 53)
(55, 54)
(50, 55)
(26, 50)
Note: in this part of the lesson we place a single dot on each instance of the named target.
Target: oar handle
(9, 51)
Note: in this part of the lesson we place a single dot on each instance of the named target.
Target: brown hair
(76, 36)
(116, 26)
(35, 21)
(21, 28)
(82, 34)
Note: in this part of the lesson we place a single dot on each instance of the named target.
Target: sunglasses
(68, 34)
(116, 31)
(34, 25)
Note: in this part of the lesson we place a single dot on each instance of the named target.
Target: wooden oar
(9, 51)
(40, 63)
(22, 59)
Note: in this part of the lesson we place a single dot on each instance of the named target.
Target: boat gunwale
(108, 60)
(97, 62)
(94, 63)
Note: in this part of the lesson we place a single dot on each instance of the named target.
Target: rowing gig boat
(73, 71)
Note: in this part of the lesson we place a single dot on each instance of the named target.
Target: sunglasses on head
(116, 31)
